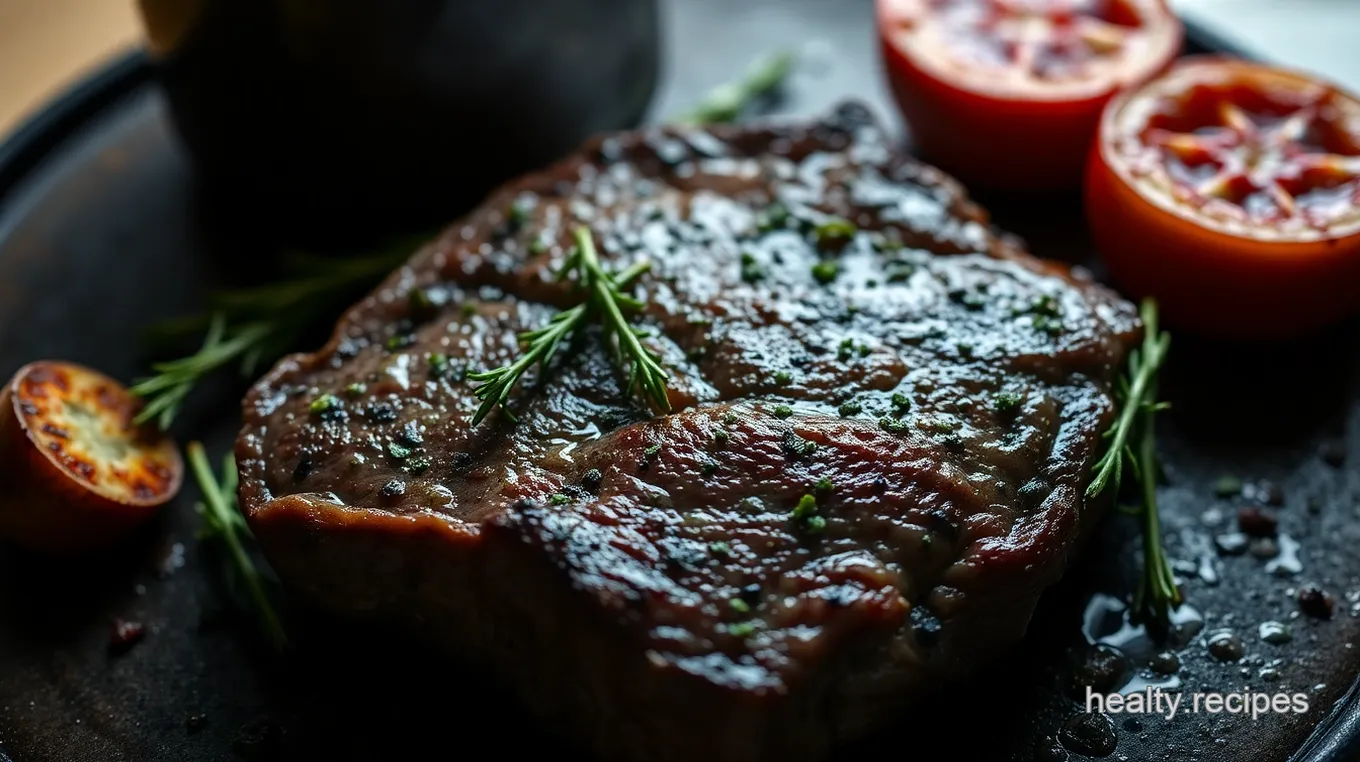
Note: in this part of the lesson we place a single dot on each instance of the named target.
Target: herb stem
(249, 326)
(644, 370)
(498, 383)
(223, 521)
(602, 296)
(726, 102)
(166, 390)
(1157, 594)
(1144, 365)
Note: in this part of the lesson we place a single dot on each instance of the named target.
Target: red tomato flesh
(1008, 93)
(1231, 191)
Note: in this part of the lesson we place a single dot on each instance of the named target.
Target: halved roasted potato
(75, 472)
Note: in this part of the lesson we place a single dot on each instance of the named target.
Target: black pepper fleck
(392, 490)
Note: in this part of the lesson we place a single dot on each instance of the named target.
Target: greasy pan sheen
(75, 472)
(874, 465)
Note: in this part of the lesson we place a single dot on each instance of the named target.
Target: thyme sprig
(166, 391)
(540, 345)
(1132, 447)
(223, 522)
(645, 373)
(604, 301)
(249, 327)
(728, 101)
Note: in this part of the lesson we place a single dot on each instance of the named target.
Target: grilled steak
(884, 415)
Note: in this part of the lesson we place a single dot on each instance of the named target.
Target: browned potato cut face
(82, 421)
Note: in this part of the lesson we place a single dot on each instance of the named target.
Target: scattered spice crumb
(1257, 522)
(1316, 602)
(124, 634)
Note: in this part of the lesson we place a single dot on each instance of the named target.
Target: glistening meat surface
(880, 435)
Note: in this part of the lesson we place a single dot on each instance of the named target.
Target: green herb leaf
(834, 233)
(751, 271)
(742, 629)
(645, 372)
(1132, 447)
(222, 346)
(1006, 402)
(806, 508)
(223, 522)
(1228, 486)
(727, 102)
(324, 403)
(775, 217)
(825, 271)
(892, 425)
(249, 327)
(541, 344)
(604, 301)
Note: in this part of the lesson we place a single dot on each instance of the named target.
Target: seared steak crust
(874, 466)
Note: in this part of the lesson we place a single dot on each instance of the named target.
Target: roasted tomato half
(1231, 191)
(1008, 93)
(75, 472)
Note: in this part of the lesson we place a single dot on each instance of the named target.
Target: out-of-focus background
(47, 44)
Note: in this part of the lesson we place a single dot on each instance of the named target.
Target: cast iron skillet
(101, 235)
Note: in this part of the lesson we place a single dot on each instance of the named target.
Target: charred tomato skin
(1007, 138)
(1218, 283)
(64, 503)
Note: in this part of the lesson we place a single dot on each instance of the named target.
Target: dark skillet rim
(1335, 739)
(44, 131)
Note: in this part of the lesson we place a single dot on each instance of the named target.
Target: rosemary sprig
(604, 298)
(223, 522)
(1133, 447)
(541, 344)
(251, 326)
(165, 391)
(644, 371)
(1157, 594)
(726, 102)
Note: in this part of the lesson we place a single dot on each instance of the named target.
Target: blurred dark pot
(336, 113)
